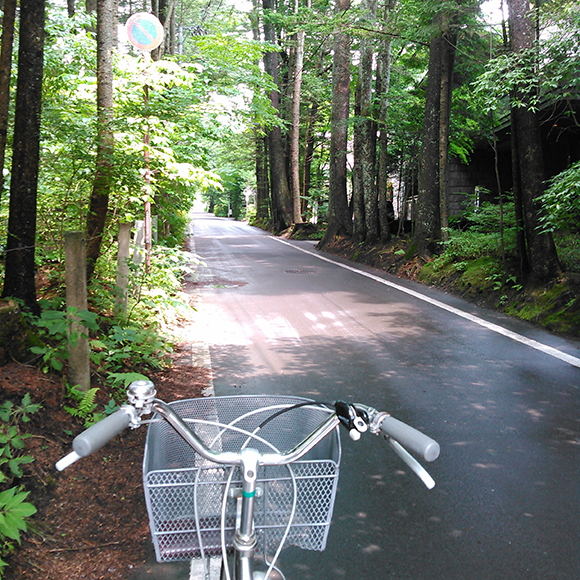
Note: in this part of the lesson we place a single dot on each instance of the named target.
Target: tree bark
(5, 72)
(99, 202)
(164, 10)
(260, 142)
(518, 202)
(281, 194)
(295, 137)
(540, 246)
(339, 219)
(14, 334)
(447, 65)
(262, 183)
(308, 154)
(386, 213)
(358, 191)
(19, 279)
(427, 224)
(368, 128)
(432, 211)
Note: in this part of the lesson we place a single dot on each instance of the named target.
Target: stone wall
(465, 180)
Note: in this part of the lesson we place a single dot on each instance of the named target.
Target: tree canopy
(219, 117)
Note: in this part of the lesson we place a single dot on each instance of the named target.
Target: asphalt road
(500, 396)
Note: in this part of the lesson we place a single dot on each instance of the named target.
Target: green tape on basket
(249, 494)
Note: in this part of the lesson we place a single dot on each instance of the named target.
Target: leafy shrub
(14, 510)
(470, 245)
(482, 236)
(120, 351)
(561, 201)
(11, 439)
(129, 348)
(54, 326)
(156, 295)
(568, 246)
(487, 218)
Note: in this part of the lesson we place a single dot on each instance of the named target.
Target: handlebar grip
(410, 438)
(102, 432)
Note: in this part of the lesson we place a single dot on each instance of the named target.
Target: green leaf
(89, 319)
(38, 349)
(28, 406)
(13, 512)
(15, 464)
(5, 411)
(56, 364)
(54, 321)
(127, 378)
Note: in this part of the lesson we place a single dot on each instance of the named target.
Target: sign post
(145, 33)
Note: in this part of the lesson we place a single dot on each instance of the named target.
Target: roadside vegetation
(122, 349)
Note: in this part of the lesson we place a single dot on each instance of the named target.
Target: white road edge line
(572, 360)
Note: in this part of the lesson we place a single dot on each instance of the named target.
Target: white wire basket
(185, 493)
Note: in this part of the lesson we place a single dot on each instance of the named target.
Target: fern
(85, 408)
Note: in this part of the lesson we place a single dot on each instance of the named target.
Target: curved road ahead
(501, 397)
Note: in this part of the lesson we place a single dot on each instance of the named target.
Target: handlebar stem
(245, 534)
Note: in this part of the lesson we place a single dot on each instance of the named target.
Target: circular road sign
(144, 31)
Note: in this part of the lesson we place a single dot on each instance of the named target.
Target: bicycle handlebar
(98, 435)
(357, 418)
(102, 432)
(410, 438)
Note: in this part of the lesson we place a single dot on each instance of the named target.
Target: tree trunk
(308, 154)
(339, 220)
(164, 10)
(14, 334)
(260, 142)
(5, 72)
(447, 65)
(518, 202)
(19, 279)
(358, 192)
(295, 138)
(368, 151)
(262, 183)
(281, 194)
(99, 203)
(428, 225)
(386, 213)
(541, 249)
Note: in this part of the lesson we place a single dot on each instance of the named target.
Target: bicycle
(229, 477)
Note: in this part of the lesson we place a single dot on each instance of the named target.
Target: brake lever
(417, 468)
(354, 419)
